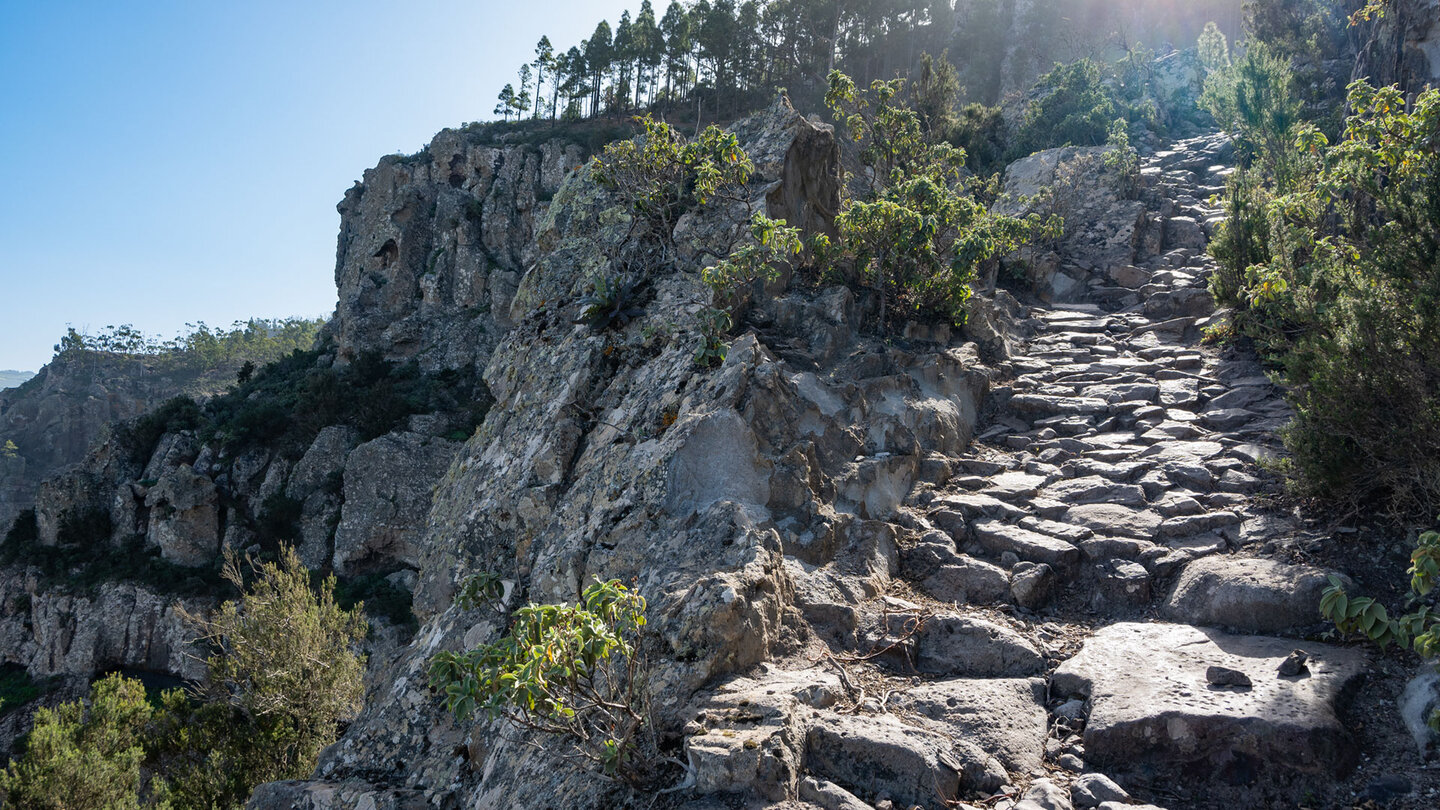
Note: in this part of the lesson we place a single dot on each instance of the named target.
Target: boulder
(1004, 716)
(1152, 707)
(185, 517)
(1250, 595)
(961, 645)
(873, 755)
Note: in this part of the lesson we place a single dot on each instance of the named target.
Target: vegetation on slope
(283, 676)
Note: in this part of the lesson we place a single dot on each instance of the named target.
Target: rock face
(55, 417)
(115, 626)
(1402, 47)
(432, 247)
(387, 500)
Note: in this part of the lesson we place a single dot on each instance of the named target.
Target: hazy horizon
(180, 162)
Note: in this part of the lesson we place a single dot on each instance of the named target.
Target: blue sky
(171, 161)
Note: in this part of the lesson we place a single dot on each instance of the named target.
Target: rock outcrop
(432, 247)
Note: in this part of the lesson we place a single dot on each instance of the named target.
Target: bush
(1347, 300)
(573, 671)
(1070, 107)
(283, 677)
(82, 757)
(919, 233)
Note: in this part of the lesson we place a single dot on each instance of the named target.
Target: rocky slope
(1033, 564)
(853, 604)
(57, 414)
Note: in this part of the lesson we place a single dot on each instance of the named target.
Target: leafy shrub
(283, 675)
(1070, 107)
(980, 131)
(379, 598)
(1418, 630)
(573, 671)
(919, 233)
(1255, 99)
(82, 757)
(1347, 299)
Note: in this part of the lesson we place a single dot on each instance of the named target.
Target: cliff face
(1403, 47)
(55, 417)
(432, 247)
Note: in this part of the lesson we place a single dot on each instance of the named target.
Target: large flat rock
(1152, 707)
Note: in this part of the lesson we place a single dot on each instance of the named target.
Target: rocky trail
(1103, 593)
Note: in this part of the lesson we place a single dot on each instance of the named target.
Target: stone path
(1089, 595)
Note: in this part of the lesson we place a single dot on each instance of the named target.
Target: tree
(599, 53)
(675, 30)
(521, 102)
(544, 60)
(1214, 48)
(84, 757)
(649, 48)
(506, 99)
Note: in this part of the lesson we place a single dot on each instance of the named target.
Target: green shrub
(81, 757)
(17, 688)
(283, 676)
(1255, 99)
(1070, 107)
(1346, 298)
(919, 232)
(573, 671)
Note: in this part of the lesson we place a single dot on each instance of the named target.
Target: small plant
(569, 670)
(1418, 630)
(714, 323)
(610, 304)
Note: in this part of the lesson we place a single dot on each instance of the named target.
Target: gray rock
(185, 517)
(1092, 789)
(968, 581)
(998, 538)
(1417, 703)
(1004, 716)
(1253, 595)
(388, 484)
(1225, 676)
(1031, 585)
(875, 755)
(1152, 707)
(1115, 520)
(829, 795)
(1095, 489)
(965, 646)
(1122, 584)
(1044, 794)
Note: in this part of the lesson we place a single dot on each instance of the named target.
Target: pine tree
(544, 60)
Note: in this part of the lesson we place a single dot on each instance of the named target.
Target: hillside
(878, 449)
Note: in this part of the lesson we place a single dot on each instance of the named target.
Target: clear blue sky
(168, 161)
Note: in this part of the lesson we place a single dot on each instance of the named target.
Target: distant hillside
(9, 378)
